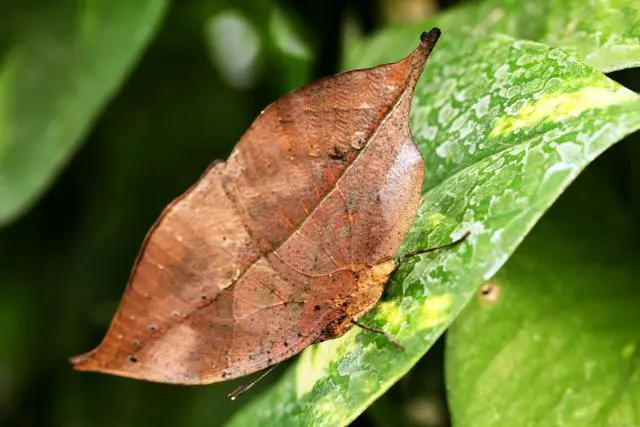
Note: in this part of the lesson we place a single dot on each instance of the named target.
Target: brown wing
(262, 319)
(250, 264)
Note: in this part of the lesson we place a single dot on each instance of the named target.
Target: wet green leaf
(504, 126)
(60, 63)
(604, 33)
(554, 338)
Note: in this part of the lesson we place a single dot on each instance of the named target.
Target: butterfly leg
(434, 248)
(245, 387)
(388, 336)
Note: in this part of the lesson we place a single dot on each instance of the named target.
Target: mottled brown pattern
(284, 243)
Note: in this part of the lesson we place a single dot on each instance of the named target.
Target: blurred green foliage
(562, 317)
(111, 108)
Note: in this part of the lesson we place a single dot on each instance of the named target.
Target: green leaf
(604, 33)
(555, 340)
(504, 126)
(61, 63)
(235, 47)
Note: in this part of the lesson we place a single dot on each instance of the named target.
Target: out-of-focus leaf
(235, 46)
(60, 63)
(511, 123)
(285, 36)
(291, 64)
(15, 306)
(554, 340)
(604, 33)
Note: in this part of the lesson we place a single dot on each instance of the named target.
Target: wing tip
(430, 37)
(86, 362)
(418, 58)
(82, 362)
